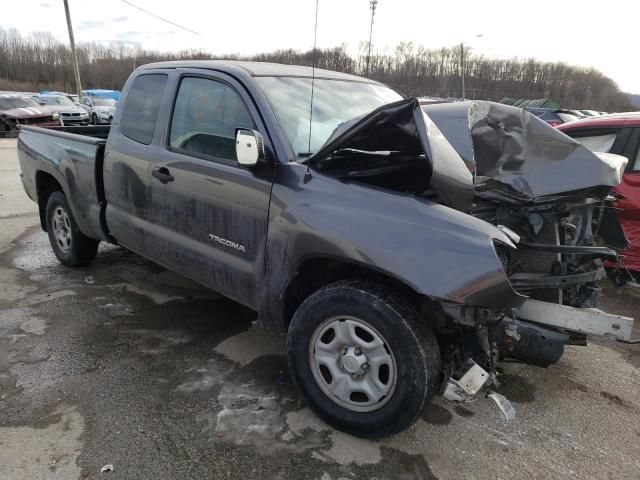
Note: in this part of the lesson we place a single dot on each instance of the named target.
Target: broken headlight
(503, 252)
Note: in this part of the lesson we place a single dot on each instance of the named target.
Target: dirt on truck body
(404, 249)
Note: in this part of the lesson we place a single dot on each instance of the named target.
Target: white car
(100, 109)
(70, 113)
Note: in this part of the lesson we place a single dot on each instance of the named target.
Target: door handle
(163, 175)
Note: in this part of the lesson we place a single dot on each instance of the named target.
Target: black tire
(412, 343)
(94, 119)
(80, 249)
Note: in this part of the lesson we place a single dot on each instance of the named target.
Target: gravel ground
(124, 363)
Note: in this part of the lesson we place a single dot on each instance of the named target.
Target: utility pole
(372, 5)
(461, 70)
(74, 55)
(462, 90)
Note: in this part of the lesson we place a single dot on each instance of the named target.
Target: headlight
(55, 115)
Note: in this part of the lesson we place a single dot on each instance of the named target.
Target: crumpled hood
(403, 126)
(481, 143)
(511, 146)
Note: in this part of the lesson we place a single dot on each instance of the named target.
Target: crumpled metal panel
(483, 143)
(510, 146)
(403, 126)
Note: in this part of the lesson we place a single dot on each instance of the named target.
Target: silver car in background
(100, 109)
(70, 113)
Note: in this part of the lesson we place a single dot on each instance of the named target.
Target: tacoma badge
(228, 243)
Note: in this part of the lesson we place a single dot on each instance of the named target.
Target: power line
(160, 18)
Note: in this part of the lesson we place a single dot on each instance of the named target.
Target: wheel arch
(46, 184)
(316, 272)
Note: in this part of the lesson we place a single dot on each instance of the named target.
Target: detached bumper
(590, 321)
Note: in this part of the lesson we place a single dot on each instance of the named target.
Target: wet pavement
(125, 363)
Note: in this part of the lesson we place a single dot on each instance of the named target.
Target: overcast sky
(592, 33)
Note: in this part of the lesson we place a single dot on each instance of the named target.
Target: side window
(598, 143)
(140, 112)
(636, 164)
(205, 117)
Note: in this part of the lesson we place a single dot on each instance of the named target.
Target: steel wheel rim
(61, 229)
(353, 364)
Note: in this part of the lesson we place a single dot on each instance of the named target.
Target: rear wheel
(94, 119)
(363, 357)
(70, 245)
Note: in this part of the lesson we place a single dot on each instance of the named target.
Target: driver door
(214, 212)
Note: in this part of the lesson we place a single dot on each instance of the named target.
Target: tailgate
(75, 161)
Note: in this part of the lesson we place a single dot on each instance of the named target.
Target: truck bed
(69, 159)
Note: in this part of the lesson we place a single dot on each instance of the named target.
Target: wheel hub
(61, 226)
(352, 364)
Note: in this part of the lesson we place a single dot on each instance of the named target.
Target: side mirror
(249, 147)
(42, 103)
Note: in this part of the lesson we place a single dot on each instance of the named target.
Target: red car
(16, 109)
(618, 133)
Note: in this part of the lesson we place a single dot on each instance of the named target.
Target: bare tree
(39, 61)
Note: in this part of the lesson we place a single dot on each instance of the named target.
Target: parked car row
(54, 108)
(559, 116)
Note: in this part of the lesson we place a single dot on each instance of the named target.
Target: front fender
(437, 251)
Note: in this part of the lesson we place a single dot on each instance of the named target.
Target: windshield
(7, 103)
(334, 102)
(56, 100)
(103, 102)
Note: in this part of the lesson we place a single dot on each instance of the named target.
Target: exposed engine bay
(547, 193)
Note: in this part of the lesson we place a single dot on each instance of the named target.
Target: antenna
(307, 175)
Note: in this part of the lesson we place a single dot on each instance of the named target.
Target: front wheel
(94, 119)
(70, 245)
(363, 357)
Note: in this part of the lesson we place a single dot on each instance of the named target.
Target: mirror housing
(249, 147)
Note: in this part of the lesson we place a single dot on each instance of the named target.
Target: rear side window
(205, 118)
(598, 143)
(140, 112)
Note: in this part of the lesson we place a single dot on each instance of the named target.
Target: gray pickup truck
(404, 248)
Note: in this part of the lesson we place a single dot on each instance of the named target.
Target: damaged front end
(546, 195)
